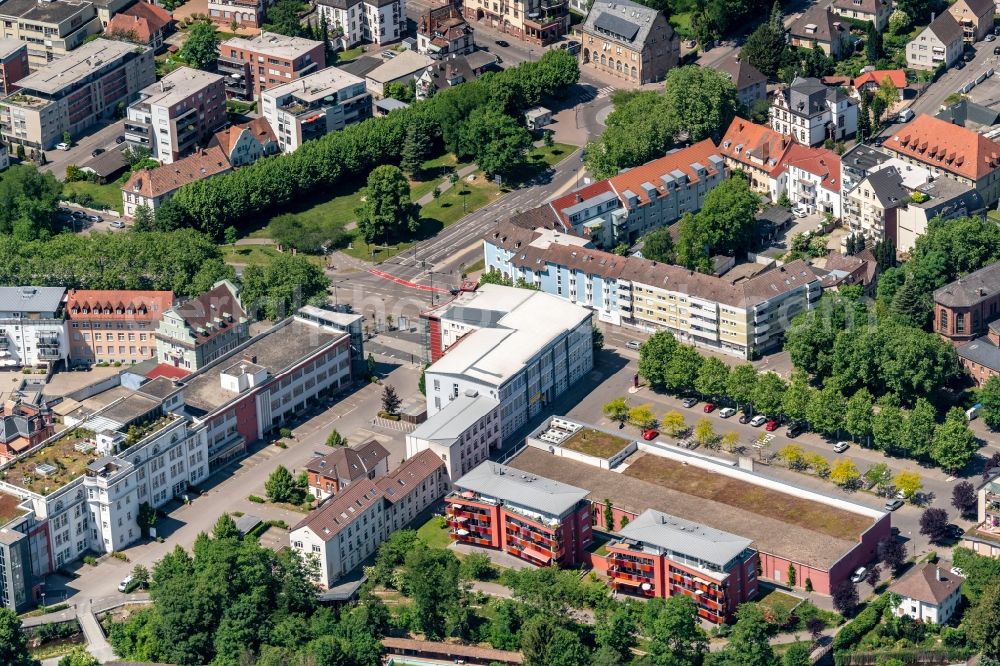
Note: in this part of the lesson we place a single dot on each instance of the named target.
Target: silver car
(758, 421)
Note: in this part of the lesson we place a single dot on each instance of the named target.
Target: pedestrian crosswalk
(605, 91)
(600, 93)
(389, 424)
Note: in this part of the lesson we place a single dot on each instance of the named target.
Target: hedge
(866, 620)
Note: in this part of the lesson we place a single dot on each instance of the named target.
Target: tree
(140, 577)
(845, 597)
(387, 211)
(13, 641)
(704, 433)
(818, 464)
(792, 455)
(609, 516)
(637, 131)
(401, 91)
(283, 18)
(731, 441)
(887, 90)
(826, 410)
(798, 654)
(908, 483)
(982, 623)
(989, 398)
(888, 426)
(899, 22)
(934, 524)
(741, 383)
(858, 415)
(79, 657)
(654, 355)
(728, 215)
(954, 443)
(201, 49)
(675, 635)
(963, 498)
(795, 402)
(617, 410)
(615, 630)
(768, 394)
(892, 553)
(791, 575)
(764, 47)
(281, 487)
(229, 235)
(880, 476)
(417, 146)
(335, 439)
(282, 285)
(713, 375)
(495, 140)
(692, 245)
(431, 580)
(673, 423)
(681, 370)
(845, 473)
(908, 305)
(749, 643)
(699, 102)
(919, 428)
(658, 245)
(642, 417)
(390, 400)
(873, 44)
(872, 575)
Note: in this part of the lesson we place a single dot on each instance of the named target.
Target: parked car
(709, 408)
(990, 37)
(745, 418)
(799, 212)
(968, 57)
(959, 65)
(840, 447)
(388, 55)
(955, 532)
(878, 141)
(95, 218)
(79, 214)
(62, 145)
(96, 151)
(771, 426)
(633, 345)
(117, 224)
(650, 435)
(502, 43)
(119, 140)
(795, 429)
(893, 504)
(758, 421)
(726, 412)
(905, 116)
(858, 575)
(122, 586)
(689, 402)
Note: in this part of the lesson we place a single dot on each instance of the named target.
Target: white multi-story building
(812, 112)
(32, 326)
(462, 434)
(521, 347)
(929, 593)
(354, 21)
(347, 529)
(315, 105)
(811, 179)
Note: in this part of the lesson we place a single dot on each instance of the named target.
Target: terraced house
(740, 317)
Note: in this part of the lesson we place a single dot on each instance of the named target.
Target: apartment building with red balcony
(253, 64)
(536, 519)
(659, 555)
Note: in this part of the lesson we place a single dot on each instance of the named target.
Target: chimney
(939, 576)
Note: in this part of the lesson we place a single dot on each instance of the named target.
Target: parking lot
(82, 151)
(87, 220)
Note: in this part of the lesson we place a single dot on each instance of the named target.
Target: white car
(633, 345)
(726, 412)
(799, 212)
(62, 146)
(758, 421)
(117, 224)
(858, 575)
(840, 447)
(122, 586)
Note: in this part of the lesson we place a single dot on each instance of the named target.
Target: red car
(709, 407)
(650, 435)
(771, 426)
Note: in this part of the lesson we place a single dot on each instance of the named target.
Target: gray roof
(741, 72)
(405, 64)
(247, 522)
(621, 21)
(981, 351)
(362, 65)
(693, 540)
(823, 19)
(887, 185)
(44, 12)
(455, 418)
(107, 164)
(390, 104)
(31, 299)
(863, 157)
(946, 28)
(808, 96)
(967, 113)
(947, 197)
(509, 485)
(971, 289)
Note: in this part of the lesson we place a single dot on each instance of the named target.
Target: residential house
(535, 519)
(352, 22)
(757, 151)
(247, 142)
(333, 473)
(950, 151)
(873, 11)
(24, 423)
(240, 13)
(855, 164)
(443, 31)
(315, 105)
(405, 67)
(751, 85)
(200, 330)
(629, 41)
(50, 29)
(178, 113)
(842, 270)
(811, 179)
(820, 27)
(463, 434)
(452, 71)
(940, 44)
(13, 64)
(252, 65)
(941, 198)
(111, 326)
(871, 207)
(657, 555)
(928, 593)
(871, 82)
(812, 113)
(538, 22)
(82, 89)
(974, 17)
(521, 347)
(347, 529)
(149, 188)
(32, 326)
(143, 22)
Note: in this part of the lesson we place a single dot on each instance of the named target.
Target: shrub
(281, 445)
(865, 621)
(286, 433)
(255, 499)
(120, 556)
(90, 559)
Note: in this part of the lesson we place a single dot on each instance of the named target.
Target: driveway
(99, 136)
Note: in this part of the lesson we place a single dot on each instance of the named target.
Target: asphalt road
(80, 153)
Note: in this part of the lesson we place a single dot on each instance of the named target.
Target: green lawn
(107, 196)
(434, 533)
(551, 156)
(778, 600)
(256, 255)
(682, 24)
(460, 200)
(349, 54)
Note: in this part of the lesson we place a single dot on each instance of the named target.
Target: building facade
(32, 326)
(248, 142)
(873, 11)
(539, 22)
(198, 331)
(336, 471)
(75, 93)
(242, 13)
(23, 424)
(939, 44)
(538, 520)
(252, 65)
(149, 188)
(629, 41)
(820, 27)
(113, 326)
(812, 113)
(928, 593)
(13, 64)
(142, 22)
(177, 113)
(352, 22)
(315, 105)
(462, 434)
(811, 179)
(443, 30)
(50, 29)
(757, 151)
(751, 85)
(974, 17)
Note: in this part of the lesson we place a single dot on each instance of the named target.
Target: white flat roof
(75, 65)
(177, 86)
(316, 85)
(269, 43)
(455, 418)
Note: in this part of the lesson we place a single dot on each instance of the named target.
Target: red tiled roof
(170, 177)
(168, 371)
(818, 161)
(142, 19)
(650, 172)
(156, 15)
(573, 198)
(745, 139)
(404, 479)
(258, 127)
(897, 76)
(955, 149)
(92, 304)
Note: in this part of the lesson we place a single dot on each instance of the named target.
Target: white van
(905, 116)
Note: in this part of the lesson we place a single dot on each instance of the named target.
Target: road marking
(605, 91)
